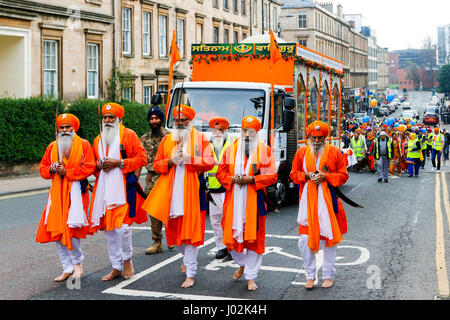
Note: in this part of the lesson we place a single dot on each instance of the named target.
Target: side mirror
(288, 114)
(156, 99)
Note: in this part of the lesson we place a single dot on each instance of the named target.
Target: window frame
(129, 31)
(166, 47)
(55, 70)
(147, 35)
(97, 77)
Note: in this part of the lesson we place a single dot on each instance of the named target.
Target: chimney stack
(340, 11)
(326, 5)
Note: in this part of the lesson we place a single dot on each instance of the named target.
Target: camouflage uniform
(151, 144)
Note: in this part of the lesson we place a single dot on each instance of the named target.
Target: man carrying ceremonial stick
(175, 199)
(246, 169)
(317, 168)
(115, 201)
(64, 219)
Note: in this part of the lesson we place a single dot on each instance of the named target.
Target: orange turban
(318, 129)
(219, 121)
(70, 119)
(114, 108)
(251, 122)
(185, 110)
(436, 129)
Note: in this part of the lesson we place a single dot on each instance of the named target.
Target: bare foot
(77, 271)
(112, 275)
(189, 282)
(239, 272)
(310, 284)
(251, 285)
(183, 267)
(128, 270)
(63, 277)
(327, 283)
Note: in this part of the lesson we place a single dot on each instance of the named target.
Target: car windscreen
(233, 104)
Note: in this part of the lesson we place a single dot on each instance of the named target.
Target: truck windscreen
(233, 104)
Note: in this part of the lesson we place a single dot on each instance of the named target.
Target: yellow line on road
(441, 268)
(446, 198)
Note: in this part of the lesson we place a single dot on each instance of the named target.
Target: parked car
(430, 118)
(406, 105)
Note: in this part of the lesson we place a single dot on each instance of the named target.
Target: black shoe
(221, 253)
(380, 179)
(410, 175)
(386, 180)
(228, 258)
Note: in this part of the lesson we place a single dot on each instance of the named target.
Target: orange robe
(189, 228)
(79, 166)
(335, 163)
(255, 225)
(136, 158)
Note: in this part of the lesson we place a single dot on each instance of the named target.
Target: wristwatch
(121, 164)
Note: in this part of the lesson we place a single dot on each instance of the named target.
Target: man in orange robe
(317, 168)
(175, 199)
(246, 169)
(115, 203)
(68, 162)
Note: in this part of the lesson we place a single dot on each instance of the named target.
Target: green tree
(444, 79)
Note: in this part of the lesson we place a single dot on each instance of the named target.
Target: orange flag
(275, 53)
(175, 56)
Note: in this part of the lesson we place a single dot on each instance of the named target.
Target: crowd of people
(392, 146)
(187, 175)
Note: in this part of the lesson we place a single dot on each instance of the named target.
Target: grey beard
(109, 131)
(65, 142)
(317, 148)
(218, 142)
(250, 146)
(181, 133)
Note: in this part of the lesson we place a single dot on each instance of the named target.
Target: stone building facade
(69, 48)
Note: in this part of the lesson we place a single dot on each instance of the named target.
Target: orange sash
(158, 201)
(313, 215)
(60, 196)
(250, 226)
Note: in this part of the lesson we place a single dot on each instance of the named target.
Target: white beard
(317, 148)
(65, 142)
(110, 130)
(181, 134)
(217, 142)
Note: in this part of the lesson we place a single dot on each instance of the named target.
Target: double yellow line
(441, 268)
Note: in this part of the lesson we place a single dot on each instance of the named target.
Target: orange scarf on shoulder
(313, 200)
(60, 194)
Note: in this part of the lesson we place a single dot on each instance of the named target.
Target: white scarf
(77, 216)
(240, 193)
(324, 217)
(177, 201)
(110, 192)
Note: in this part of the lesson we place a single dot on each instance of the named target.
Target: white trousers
(250, 260)
(189, 253)
(69, 258)
(215, 216)
(309, 259)
(119, 245)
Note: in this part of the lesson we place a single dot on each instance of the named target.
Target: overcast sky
(400, 24)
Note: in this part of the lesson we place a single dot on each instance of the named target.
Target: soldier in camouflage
(151, 141)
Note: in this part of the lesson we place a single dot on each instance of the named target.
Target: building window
(50, 68)
(180, 36)
(215, 3)
(92, 70)
(146, 33)
(302, 20)
(243, 7)
(274, 19)
(147, 94)
(162, 35)
(226, 36)
(127, 93)
(225, 4)
(126, 30)
(255, 13)
(235, 6)
(216, 34)
(236, 37)
(199, 34)
(265, 19)
(302, 42)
